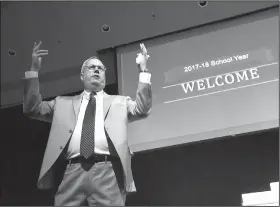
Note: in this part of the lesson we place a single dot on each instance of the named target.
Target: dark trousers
(92, 184)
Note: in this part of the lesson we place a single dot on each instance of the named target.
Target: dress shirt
(101, 145)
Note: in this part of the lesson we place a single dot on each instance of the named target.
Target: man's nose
(96, 70)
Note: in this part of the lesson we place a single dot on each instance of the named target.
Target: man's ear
(82, 77)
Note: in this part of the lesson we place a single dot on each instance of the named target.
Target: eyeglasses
(93, 67)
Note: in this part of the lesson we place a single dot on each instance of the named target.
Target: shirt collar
(87, 94)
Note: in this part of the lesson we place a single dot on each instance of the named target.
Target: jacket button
(61, 147)
(70, 131)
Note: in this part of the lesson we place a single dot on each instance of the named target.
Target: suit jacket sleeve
(141, 106)
(33, 106)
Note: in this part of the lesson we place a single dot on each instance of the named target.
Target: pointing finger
(34, 46)
(38, 46)
(144, 50)
(42, 51)
(42, 54)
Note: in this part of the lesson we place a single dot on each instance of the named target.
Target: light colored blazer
(63, 113)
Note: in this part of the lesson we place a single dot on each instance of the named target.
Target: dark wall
(215, 172)
(22, 147)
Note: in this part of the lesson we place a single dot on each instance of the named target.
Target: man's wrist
(33, 68)
(31, 74)
(144, 70)
(145, 77)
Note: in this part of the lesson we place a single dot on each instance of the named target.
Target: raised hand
(37, 56)
(142, 58)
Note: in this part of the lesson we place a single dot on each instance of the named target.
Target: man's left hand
(142, 58)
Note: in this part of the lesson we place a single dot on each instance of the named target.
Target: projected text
(216, 62)
(220, 80)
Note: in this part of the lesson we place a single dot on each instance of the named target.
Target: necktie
(87, 137)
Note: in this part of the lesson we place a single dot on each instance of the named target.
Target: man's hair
(85, 62)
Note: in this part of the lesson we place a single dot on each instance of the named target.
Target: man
(87, 155)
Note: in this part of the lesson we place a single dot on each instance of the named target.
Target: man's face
(93, 75)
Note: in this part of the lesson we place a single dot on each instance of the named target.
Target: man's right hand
(37, 57)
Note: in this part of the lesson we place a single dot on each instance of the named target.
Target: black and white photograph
(139, 103)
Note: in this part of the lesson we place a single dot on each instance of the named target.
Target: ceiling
(71, 31)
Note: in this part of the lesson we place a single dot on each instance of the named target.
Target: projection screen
(209, 82)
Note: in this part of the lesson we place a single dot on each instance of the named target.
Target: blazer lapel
(107, 101)
(77, 101)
